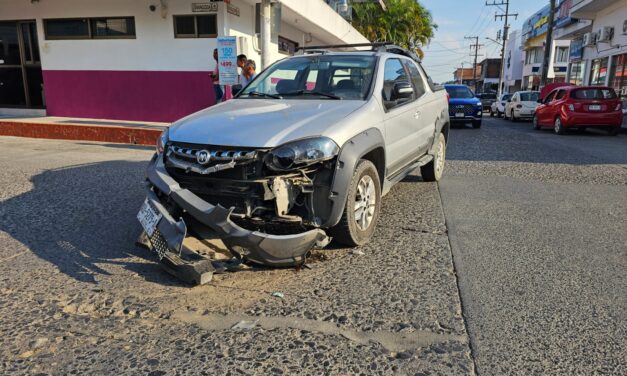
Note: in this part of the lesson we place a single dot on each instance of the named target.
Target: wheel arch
(369, 145)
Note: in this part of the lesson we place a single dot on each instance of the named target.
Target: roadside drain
(391, 341)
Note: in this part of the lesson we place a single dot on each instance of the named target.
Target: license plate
(459, 114)
(149, 218)
(595, 107)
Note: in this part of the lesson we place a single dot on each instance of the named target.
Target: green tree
(406, 23)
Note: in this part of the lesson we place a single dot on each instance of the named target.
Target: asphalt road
(527, 228)
(538, 228)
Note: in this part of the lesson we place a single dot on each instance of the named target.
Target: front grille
(207, 160)
(158, 243)
(467, 109)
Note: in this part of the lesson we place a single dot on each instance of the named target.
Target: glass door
(21, 79)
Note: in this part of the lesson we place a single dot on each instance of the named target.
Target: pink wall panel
(127, 95)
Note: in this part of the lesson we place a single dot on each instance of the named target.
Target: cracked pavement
(78, 297)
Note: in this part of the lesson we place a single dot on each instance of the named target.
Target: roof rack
(376, 46)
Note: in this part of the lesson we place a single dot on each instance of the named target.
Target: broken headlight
(162, 141)
(302, 152)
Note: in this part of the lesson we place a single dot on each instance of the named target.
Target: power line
(476, 47)
(505, 15)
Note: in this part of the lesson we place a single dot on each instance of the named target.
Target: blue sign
(576, 49)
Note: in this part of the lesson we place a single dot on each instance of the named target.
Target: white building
(533, 41)
(140, 59)
(513, 63)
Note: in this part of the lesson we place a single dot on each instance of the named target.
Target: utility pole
(548, 46)
(505, 15)
(476, 46)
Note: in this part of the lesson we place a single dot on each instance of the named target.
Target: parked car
(464, 106)
(303, 153)
(486, 100)
(580, 108)
(522, 105)
(498, 107)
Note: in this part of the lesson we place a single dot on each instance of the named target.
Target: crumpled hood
(261, 122)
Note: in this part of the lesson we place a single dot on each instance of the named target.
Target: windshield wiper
(258, 94)
(304, 92)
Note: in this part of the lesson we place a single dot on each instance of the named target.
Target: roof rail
(376, 46)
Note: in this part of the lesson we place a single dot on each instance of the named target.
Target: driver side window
(395, 84)
(549, 98)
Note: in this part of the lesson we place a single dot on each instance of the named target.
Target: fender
(350, 154)
(441, 126)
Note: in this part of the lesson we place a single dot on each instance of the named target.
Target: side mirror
(235, 89)
(402, 90)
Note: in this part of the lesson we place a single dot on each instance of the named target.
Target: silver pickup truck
(303, 153)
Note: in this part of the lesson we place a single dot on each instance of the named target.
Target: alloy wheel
(365, 202)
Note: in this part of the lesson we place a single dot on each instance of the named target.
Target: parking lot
(513, 264)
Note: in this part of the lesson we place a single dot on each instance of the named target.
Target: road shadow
(82, 217)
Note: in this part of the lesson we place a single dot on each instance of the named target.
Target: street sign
(227, 59)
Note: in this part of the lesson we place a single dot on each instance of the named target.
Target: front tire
(476, 124)
(614, 131)
(433, 170)
(536, 123)
(363, 204)
(513, 117)
(558, 127)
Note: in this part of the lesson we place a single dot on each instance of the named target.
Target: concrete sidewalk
(61, 128)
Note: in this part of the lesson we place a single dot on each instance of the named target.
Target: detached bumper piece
(254, 246)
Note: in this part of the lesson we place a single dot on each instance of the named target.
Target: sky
(459, 18)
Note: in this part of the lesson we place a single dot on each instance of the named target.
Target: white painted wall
(613, 15)
(514, 72)
(155, 47)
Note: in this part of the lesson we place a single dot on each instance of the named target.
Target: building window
(287, 46)
(90, 28)
(205, 26)
(561, 55)
(598, 72)
(575, 75)
(618, 77)
(534, 55)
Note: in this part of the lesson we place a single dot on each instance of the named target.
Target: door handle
(417, 115)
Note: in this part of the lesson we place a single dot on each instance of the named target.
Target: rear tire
(614, 131)
(433, 170)
(536, 123)
(558, 127)
(363, 204)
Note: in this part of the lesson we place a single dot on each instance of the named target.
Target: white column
(266, 30)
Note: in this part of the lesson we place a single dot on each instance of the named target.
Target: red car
(580, 107)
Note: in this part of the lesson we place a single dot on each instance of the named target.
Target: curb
(118, 135)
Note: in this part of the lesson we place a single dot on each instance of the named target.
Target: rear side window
(594, 94)
(529, 97)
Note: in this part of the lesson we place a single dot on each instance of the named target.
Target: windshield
(529, 97)
(459, 92)
(315, 77)
(594, 94)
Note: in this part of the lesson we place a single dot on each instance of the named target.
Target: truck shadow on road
(82, 220)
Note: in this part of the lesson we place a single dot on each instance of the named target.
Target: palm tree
(405, 23)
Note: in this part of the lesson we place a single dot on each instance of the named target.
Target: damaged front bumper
(255, 246)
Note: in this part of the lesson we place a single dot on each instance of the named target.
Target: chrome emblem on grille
(203, 157)
(460, 106)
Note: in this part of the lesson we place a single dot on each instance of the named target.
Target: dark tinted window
(113, 27)
(506, 97)
(205, 26)
(67, 28)
(561, 94)
(416, 78)
(594, 94)
(459, 92)
(86, 28)
(529, 97)
(550, 97)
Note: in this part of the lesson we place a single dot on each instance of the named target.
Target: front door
(21, 79)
